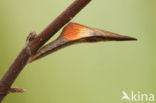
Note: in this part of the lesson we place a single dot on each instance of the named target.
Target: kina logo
(138, 97)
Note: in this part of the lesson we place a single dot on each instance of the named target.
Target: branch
(58, 23)
(34, 43)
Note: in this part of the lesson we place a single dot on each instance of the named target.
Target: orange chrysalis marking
(75, 31)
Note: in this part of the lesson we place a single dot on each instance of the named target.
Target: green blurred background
(84, 73)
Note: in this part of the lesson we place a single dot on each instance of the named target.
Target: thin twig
(58, 23)
(16, 90)
(31, 47)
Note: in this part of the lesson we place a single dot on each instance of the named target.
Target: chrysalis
(75, 33)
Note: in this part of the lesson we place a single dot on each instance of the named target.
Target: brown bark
(31, 48)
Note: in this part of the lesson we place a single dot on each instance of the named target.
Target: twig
(58, 23)
(33, 45)
(16, 90)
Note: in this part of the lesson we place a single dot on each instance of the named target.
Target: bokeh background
(84, 73)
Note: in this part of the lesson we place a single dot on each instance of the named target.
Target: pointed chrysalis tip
(126, 38)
